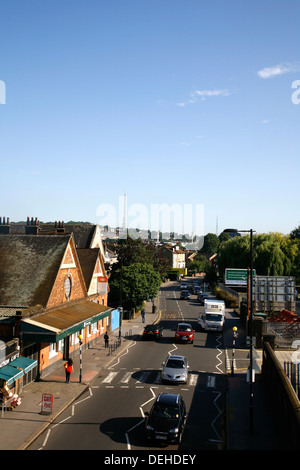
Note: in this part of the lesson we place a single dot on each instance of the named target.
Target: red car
(184, 332)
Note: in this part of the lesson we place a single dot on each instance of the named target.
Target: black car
(185, 295)
(152, 332)
(202, 297)
(167, 417)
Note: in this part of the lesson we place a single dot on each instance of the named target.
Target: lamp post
(250, 331)
(250, 326)
(251, 335)
(80, 356)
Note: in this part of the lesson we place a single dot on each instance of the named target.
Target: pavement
(20, 427)
(250, 417)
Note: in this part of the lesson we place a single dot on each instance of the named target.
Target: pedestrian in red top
(68, 369)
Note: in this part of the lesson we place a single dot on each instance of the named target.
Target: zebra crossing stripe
(144, 377)
(109, 378)
(125, 379)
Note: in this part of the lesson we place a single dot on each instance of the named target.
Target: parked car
(184, 332)
(167, 417)
(175, 369)
(202, 297)
(185, 295)
(153, 332)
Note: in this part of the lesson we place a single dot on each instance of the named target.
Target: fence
(292, 371)
(283, 398)
(285, 333)
(117, 343)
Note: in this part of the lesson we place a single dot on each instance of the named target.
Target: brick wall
(78, 289)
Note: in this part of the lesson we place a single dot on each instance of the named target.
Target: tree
(295, 233)
(140, 282)
(197, 265)
(211, 243)
(274, 254)
(138, 251)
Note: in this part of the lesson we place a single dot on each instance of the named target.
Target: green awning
(10, 374)
(24, 363)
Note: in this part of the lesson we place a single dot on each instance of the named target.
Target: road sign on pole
(237, 277)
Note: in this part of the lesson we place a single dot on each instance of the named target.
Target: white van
(213, 318)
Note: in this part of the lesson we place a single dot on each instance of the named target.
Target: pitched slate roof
(88, 258)
(28, 267)
(83, 234)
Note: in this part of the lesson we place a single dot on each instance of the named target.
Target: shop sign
(102, 284)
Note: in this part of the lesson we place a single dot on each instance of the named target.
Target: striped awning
(24, 363)
(10, 374)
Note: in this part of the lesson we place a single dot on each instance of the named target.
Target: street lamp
(250, 331)
(250, 327)
(80, 356)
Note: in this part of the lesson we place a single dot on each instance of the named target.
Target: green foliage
(210, 274)
(139, 282)
(230, 300)
(211, 243)
(198, 265)
(274, 254)
(137, 251)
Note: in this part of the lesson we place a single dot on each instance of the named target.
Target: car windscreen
(213, 317)
(165, 411)
(175, 364)
(184, 328)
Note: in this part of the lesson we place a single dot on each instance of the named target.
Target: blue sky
(171, 101)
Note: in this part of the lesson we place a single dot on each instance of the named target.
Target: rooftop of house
(29, 266)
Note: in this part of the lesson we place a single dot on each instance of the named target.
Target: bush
(230, 300)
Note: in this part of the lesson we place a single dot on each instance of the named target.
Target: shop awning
(24, 363)
(58, 323)
(10, 374)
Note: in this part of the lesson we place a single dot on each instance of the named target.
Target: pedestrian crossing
(140, 378)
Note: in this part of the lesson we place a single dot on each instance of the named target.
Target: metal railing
(113, 347)
(117, 343)
(292, 371)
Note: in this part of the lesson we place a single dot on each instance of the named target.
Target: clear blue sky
(171, 101)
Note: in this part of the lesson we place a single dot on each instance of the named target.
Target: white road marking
(109, 378)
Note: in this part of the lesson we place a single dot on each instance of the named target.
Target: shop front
(56, 331)
(12, 378)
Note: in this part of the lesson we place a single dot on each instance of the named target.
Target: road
(110, 415)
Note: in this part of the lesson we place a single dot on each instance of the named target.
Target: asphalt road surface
(111, 414)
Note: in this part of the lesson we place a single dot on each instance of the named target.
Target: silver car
(175, 369)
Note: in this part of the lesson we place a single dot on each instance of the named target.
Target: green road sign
(237, 276)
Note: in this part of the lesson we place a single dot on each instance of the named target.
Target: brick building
(47, 298)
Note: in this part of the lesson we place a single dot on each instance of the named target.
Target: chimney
(17, 325)
(4, 226)
(32, 226)
(60, 228)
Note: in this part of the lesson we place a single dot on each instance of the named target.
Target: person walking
(68, 369)
(143, 315)
(106, 339)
